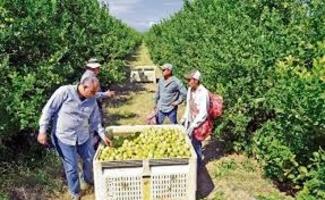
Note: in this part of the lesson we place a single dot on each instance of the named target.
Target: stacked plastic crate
(152, 179)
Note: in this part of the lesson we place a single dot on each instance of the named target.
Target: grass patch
(135, 108)
(30, 179)
(141, 57)
(236, 176)
(3, 196)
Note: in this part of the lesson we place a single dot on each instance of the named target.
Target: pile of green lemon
(149, 144)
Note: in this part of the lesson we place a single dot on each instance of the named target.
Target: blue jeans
(198, 149)
(69, 158)
(172, 115)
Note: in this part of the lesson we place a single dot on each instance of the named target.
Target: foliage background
(44, 44)
(267, 59)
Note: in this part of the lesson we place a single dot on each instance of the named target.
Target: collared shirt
(169, 91)
(89, 73)
(70, 117)
(196, 110)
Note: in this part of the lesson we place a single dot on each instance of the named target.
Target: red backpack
(216, 105)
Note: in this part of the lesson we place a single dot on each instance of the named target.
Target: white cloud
(120, 7)
(172, 3)
(151, 23)
(142, 14)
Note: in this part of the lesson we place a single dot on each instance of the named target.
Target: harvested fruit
(150, 144)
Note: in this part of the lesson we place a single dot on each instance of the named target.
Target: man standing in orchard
(72, 112)
(92, 70)
(196, 118)
(170, 93)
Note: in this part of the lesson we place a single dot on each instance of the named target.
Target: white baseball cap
(167, 66)
(194, 75)
(93, 63)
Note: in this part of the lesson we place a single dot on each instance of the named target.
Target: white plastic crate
(153, 179)
(124, 184)
(144, 74)
(170, 182)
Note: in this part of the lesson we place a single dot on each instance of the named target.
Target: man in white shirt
(196, 111)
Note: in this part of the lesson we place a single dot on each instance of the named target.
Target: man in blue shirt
(72, 112)
(92, 70)
(170, 93)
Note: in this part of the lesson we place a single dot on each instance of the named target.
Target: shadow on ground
(212, 150)
(114, 119)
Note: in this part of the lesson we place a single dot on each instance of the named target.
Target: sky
(142, 14)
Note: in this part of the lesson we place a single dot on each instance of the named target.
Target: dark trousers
(95, 139)
(198, 149)
(172, 115)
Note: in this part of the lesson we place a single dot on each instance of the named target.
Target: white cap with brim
(93, 65)
(167, 66)
(93, 60)
(193, 75)
(196, 75)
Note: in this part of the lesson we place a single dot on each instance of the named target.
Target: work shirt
(71, 118)
(169, 91)
(197, 104)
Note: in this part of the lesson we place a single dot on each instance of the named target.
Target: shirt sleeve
(51, 108)
(100, 95)
(182, 92)
(96, 122)
(203, 100)
(157, 94)
(82, 78)
(187, 106)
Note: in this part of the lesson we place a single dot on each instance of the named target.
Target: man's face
(89, 90)
(96, 71)
(193, 83)
(166, 72)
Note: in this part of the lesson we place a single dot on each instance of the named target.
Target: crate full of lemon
(151, 143)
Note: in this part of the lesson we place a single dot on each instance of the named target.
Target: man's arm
(187, 108)
(182, 93)
(96, 125)
(50, 109)
(157, 94)
(103, 95)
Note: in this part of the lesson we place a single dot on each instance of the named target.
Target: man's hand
(182, 121)
(42, 138)
(107, 141)
(174, 104)
(109, 93)
(155, 108)
(189, 131)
